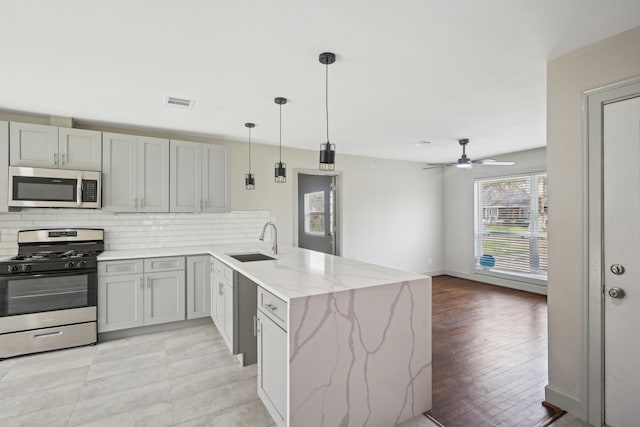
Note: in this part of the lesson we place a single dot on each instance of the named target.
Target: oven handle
(47, 334)
(40, 275)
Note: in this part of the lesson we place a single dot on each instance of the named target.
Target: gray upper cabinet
(33, 145)
(153, 174)
(186, 177)
(4, 166)
(198, 286)
(215, 181)
(80, 149)
(52, 147)
(199, 179)
(135, 173)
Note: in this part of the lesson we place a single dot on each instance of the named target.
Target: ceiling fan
(465, 162)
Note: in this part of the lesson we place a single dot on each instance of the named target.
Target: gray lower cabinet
(224, 303)
(272, 364)
(120, 302)
(154, 294)
(198, 286)
(164, 297)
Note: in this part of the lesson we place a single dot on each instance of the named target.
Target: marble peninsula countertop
(295, 273)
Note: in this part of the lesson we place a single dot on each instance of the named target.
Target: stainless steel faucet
(275, 236)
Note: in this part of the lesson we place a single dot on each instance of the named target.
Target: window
(511, 225)
(314, 213)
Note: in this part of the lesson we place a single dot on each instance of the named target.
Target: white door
(622, 251)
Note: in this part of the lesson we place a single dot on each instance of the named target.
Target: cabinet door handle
(141, 283)
(141, 202)
(271, 307)
(55, 158)
(147, 280)
(63, 158)
(220, 288)
(255, 326)
(135, 203)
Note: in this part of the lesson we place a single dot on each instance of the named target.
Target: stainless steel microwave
(54, 188)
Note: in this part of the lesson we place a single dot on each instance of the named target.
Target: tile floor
(183, 377)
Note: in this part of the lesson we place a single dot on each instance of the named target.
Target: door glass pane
(314, 213)
(47, 293)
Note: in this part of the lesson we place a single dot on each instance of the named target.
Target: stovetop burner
(55, 250)
(40, 256)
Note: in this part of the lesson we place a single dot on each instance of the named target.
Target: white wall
(459, 214)
(608, 61)
(392, 210)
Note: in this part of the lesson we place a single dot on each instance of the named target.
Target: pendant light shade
(249, 178)
(280, 171)
(327, 149)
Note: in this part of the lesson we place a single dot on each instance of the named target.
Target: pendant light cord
(326, 97)
(280, 133)
(249, 150)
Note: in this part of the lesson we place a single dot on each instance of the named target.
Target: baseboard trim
(142, 330)
(542, 290)
(434, 273)
(564, 401)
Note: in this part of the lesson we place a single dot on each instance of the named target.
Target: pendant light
(281, 168)
(327, 150)
(249, 178)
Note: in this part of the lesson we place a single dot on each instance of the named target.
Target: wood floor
(489, 355)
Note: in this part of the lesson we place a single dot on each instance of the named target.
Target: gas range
(48, 292)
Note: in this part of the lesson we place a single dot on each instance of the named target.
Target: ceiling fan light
(464, 163)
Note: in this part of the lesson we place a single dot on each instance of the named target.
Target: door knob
(616, 293)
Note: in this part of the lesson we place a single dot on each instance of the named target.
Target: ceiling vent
(186, 104)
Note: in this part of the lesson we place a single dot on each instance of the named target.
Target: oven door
(36, 293)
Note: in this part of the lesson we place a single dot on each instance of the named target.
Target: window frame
(538, 277)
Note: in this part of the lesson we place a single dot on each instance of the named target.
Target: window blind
(511, 224)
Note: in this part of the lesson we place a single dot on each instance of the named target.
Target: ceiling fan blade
(491, 162)
(437, 165)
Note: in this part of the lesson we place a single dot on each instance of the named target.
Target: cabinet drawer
(127, 266)
(163, 264)
(273, 307)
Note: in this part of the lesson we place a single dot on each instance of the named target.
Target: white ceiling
(408, 70)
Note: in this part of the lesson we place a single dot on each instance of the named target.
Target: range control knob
(80, 264)
(12, 269)
(26, 268)
(70, 264)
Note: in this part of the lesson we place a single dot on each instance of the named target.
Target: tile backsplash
(134, 231)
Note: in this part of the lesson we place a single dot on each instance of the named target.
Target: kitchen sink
(251, 257)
